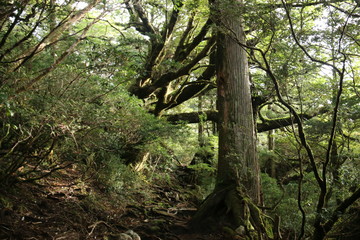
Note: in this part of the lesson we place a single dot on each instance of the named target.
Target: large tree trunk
(237, 151)
(237, 192)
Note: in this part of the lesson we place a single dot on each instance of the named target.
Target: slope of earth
(66, 206)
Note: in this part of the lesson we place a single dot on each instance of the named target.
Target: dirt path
(65, 207)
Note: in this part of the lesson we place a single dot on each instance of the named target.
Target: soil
(66, 206)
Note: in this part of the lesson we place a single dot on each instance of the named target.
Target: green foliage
(202, 167)
(80, 112)
(119, 178)
(272, 192)
(286, 198)
(290, 216)
(73, 118)
(204, 178)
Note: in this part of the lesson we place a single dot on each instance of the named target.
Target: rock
(121, 236)
(133, 234)
(128, 235)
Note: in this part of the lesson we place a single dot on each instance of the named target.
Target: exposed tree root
(228, 208)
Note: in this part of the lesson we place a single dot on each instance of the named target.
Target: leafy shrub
(46, 130)
(284, 199)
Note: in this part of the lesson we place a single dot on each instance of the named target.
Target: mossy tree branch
(167, 83)
(265, 125)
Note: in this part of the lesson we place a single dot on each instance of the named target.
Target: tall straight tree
(237, 152)
(237, 192)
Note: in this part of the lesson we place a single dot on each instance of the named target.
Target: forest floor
(63, 206)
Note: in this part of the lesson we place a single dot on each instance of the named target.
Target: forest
(180, 119)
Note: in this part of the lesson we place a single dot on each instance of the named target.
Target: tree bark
(237, 192)
(237, 152)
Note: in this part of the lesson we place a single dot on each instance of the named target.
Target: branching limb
(319, 230)
(52, 36)
(66, 53)
(183, 51)
(147, 27)
(52, 170)
(301, 4)
(267, 125)
(341, 209)
(25, 38)
(185, 35)
(192, 117)
(12, 26)
(164, 79)
(169, 27)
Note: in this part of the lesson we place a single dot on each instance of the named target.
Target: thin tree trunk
(200, 125)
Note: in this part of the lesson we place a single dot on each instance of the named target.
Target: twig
(93, 226)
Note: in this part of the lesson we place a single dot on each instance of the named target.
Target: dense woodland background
(109, 109)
